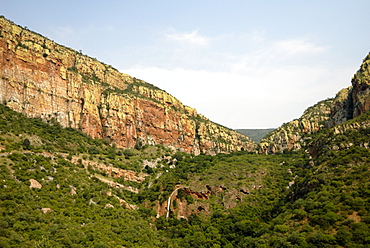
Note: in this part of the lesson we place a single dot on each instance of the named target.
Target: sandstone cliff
(295, 134)
(347, 104)
(353, 134)
(45, 80)
(341, 108)
(355, 100)
(360, 94)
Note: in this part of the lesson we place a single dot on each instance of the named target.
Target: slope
(347, 104)
(306, 200)
(88, 193)
(295, 134)
(62, 188)
(255, 134)
(52, 194)
(43, 79)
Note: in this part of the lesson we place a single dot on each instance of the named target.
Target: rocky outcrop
(196, 194)
(352, 134)
(116, 185)
(355, 100)
(42, 79)
(46, 210)
(35, 184)
(360, 94)
(112, 171)
(347, 104)
(294, 135)
(341, 109)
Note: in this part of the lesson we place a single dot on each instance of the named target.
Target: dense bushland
(293, 199)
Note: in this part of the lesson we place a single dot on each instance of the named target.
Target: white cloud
(297, 47)
(192, 38)
(258, 89)
(237, 100)
(258, 36)
(276, 54)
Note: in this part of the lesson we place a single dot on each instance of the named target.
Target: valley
(90, 157)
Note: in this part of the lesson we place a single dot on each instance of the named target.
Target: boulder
(35, 184)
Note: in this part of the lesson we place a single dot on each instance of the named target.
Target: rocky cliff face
(45, 80)
(360, 94)
(347, 104)
(341, 108)
(353, 134)
(355, 100)
(295, 134)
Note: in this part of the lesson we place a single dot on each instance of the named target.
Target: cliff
(355, 100)
(348, 103)
(296, 134)
(42, 79)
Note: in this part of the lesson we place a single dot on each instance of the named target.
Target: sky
(240, 63)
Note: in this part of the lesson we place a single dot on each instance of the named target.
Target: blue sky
(242, 64)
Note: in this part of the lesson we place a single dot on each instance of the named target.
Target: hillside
(109, 197)
(347, 104)
(295, 134)
(255, 134)
(43, 79)
(62, 188)
(319, 199)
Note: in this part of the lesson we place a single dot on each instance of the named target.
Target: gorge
(91, 157)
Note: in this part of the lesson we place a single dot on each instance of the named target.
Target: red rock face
(198, 195)
(42, 79)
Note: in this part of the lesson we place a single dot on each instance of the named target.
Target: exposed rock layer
(347, 104)
(295, 134)
(360, 94)
(45, 80)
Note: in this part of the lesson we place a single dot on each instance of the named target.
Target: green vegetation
(244, 200)
(298, 131)
(20, 44)
(255, 134)
(133, 90)
(73, 69)
(326, 206)
(61, 188)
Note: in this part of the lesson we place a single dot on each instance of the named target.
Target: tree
(26, 144)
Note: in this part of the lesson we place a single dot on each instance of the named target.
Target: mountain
(40, 78)
(295, 134)
(255, 134)
(347, 104)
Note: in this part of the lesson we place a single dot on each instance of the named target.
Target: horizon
(243, 65)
